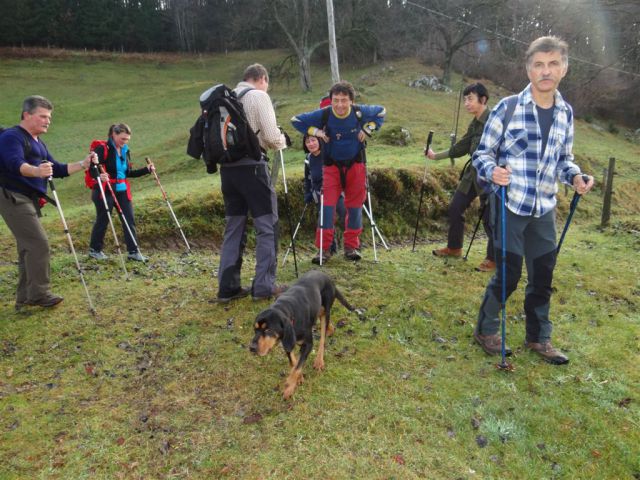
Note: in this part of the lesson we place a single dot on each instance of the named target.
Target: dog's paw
(288, 390)
(330, 329)
(318, 363)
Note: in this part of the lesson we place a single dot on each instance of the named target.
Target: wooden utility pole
(333, 48)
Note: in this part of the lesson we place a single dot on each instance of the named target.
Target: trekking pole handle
(429, 140)
(426, 149)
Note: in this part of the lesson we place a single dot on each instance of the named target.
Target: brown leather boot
(492, 344)
(447, 252)
(486, 266)
(548, 352)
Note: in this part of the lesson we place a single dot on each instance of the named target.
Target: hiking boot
(447, 252)
(50, 300)
(326, 255)
(486, 266)
(492, 344)
(97, 254)
(243, 292)
(137, 257)
(276, 291)
(352, 254)
(546, 351)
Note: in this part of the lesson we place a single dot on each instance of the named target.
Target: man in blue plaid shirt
(529, 156)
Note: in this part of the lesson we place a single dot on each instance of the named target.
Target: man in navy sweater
(343, 127)
(25, 165)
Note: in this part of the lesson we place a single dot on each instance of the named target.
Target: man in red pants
(344, 128)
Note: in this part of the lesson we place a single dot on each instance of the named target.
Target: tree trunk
(333, 49)
(304, 62)
(446, 67)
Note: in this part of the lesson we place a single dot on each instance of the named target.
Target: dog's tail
(343, 301)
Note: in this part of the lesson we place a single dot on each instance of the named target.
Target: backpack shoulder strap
(244, 92)
(511, 102)
(325, 116)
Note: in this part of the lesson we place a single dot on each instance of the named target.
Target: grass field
(161, 384)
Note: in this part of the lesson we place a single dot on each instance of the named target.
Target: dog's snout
(253, 347)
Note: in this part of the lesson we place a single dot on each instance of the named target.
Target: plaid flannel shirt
(533, 185)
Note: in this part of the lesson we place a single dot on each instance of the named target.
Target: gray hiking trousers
(21, 217)
(247, 189)
(534, 240)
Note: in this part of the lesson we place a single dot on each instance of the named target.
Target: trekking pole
(475, 230)
(384, 244)
(295, 233)
(286, 206)
(322, 223)
(572, 209)
(120, 212)
(371, 220)
(94, 164)
(424, 179)
(503, 365)
(166, 199)
(73, 250)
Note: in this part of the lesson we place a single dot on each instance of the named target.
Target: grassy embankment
(161, 384)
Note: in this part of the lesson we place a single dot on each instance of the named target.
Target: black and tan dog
(290, 319)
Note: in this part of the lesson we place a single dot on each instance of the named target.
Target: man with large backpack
(25, 166)
(528, 155)
(246, 188)
(343, 127)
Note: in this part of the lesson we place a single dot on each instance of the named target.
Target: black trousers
(457, 207)
(247, 189)
(102, 220)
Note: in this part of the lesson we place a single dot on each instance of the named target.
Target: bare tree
(295, 16)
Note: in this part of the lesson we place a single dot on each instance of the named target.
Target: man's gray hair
(32, 103)
(548, 44)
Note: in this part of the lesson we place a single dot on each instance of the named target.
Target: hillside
(161, 384)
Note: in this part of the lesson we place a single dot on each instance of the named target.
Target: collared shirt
(533, 185)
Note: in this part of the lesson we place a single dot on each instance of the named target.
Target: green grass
(161, 383)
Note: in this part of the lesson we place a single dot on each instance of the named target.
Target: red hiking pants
(354, 196)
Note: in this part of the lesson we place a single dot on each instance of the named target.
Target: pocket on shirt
(515, 142)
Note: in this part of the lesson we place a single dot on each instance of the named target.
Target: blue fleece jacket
(343, 142)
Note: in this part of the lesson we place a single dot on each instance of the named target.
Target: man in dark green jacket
(475, 101)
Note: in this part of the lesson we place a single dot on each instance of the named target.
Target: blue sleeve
(60, 170)
(304, 121)
(373, 113)
(484, 158)
(12, 156)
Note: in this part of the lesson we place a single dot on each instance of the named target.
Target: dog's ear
(288, 335)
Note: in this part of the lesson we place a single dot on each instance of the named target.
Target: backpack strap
(511, 102)
(244, 92)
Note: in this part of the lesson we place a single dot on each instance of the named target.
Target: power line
(497, 34)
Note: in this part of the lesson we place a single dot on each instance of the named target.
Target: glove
(308, 197)
(369, 128)
(286, 136)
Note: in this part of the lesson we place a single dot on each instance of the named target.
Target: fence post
(606, 203)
